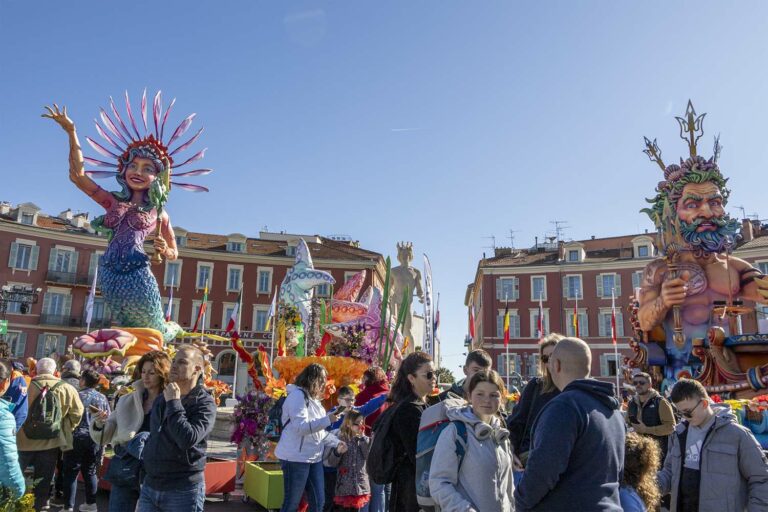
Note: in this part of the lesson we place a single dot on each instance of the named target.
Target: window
(235, 246)
(173, 274)
(604, 328)
(174, 309)
(350, 275)
(196, 310)
(534, 316)
(637, 279)
(574, 255)
(507, 288)
(49, 344)
(583, 323)
(323, 290)
(17, 342)
(264, 284)
(227, 364)
(23, 256)
(181, 241)
(234, 278)
(94, 263)
(27, 218)
(609, 365)
(260, 317)
(61, 260)
(204, 274)
(290, 250)
(508, 366)
(514, 325)
(57, 304)
(533, 365)
(13, 308)
(763, 267)
(538, 288)
(643, 251)
(572, 287)
(99, 308)
(607, 283)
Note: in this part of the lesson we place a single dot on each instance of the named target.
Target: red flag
(472, 322)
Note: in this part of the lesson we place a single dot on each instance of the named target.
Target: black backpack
(44, 418)
(382, 460)
(275, 426)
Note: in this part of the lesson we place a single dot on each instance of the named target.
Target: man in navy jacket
(174, 455)
(16, 394)
(577, 452)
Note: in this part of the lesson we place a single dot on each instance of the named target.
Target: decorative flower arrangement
(353, 344)
(12, 503)
(217, 388)
(251, 416)
(343, 371)
(513, 397)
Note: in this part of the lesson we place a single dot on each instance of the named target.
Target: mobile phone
(340, 410)
(94, 409)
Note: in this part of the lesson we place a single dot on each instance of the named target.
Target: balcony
(98, 323)
(67, 278)
(60, 320)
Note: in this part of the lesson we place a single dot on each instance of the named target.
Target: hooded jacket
(577, 452)
(10, 472)
(17, 395)
(304, 423)
(734, 470)
(520, 422)
(174, 454)
(483, 482)
(71, 414)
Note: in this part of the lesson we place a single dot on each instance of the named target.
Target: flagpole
(506, 345)
(239, 316)
(274, 324)
(205, 312)
(615, 342)
(91, 296)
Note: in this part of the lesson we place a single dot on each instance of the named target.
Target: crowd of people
(58, 423)
(569, 444)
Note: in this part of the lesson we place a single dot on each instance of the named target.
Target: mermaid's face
(140, 173)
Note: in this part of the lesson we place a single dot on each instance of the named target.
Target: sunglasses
(689, 414)
(428, 375)
(639, 383)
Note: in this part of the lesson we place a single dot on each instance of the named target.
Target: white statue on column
(404, 276)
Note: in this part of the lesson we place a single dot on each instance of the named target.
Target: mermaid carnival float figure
(142, 165)
(697, 284)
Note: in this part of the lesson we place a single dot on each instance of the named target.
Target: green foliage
(444, 375)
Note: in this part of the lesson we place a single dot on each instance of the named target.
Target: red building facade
(58, 255)
(559, 274)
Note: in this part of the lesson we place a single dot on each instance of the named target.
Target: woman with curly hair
(639, 491)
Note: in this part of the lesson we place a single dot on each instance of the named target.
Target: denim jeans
(379, 498)
(44, 462)
(122, 498)
(84, 458)
(301, 477)
(181, 500)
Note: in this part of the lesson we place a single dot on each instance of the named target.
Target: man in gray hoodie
(713, 463)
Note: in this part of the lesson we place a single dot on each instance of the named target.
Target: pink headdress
(117, 135)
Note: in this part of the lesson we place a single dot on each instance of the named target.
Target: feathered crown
(121, 138)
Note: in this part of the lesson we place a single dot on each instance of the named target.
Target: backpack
(382, 460)
(433, 421)
(274, 428)
(44, 417)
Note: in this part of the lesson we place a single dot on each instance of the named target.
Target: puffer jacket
(352, 479)
(304, 423)
(483, 482)
(734, 471)
(71, 414)
(10, 472)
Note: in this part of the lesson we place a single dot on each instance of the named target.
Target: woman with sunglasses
(414, 381)
(482, 479)
(535, 396)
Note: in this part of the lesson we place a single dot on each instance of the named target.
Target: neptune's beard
(720, 240)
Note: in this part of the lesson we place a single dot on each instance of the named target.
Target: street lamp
(25, 296)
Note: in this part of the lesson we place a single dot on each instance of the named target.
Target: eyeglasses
(428, 375)
(689, 414)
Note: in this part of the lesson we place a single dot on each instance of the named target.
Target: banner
(428, 320)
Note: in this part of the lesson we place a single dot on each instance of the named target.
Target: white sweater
(125, 421)
(304, 423)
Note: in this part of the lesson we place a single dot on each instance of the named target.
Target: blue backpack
(433, 421)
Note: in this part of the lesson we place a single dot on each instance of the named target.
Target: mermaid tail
(134, 299)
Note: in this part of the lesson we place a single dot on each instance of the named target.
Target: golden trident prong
(691, 128)
(653, 152)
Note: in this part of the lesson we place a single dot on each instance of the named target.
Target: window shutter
(603, 366)
(67, 305)
(500, 363)
(599, 280)
(21, 345)
(39, 354)
(33, 259)
(583, 325)
(52, 259)
(565, 286)
(636, 280)
(617, 285)
(619, 323)
(516, 292)
(499, 291)
(62, 346)
(46, 303)
(12, 254)
(73, 262)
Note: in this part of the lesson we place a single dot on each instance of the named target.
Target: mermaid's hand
(161, 246)
(61, 117)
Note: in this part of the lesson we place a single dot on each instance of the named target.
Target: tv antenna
(493, 242)
(743, 211)
(512, 237)
(560, 227)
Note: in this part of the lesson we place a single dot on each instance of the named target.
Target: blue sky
(435, 122)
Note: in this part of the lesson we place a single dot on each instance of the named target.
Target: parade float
(687, 313)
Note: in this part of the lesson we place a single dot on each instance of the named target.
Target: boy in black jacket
(174, 456)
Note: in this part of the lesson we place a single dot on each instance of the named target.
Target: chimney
(80, 220)
(593, 237)
(747, 232)
(5, 208)
(66, 214)
(502, 251)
